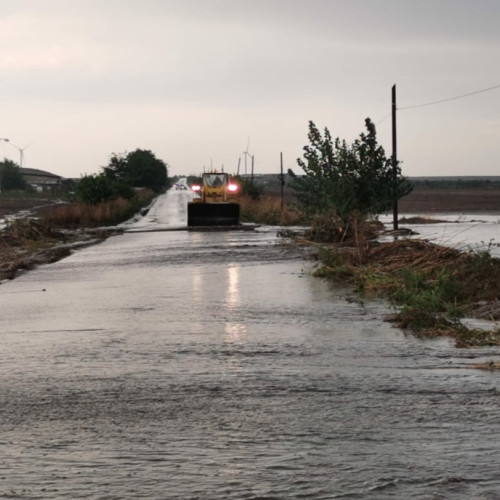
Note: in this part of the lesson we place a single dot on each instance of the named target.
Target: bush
(343, 179)
(140, 168)
(11, 177)
(94, 189)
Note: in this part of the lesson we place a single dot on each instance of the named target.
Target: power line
(449, 98)
(383, 119)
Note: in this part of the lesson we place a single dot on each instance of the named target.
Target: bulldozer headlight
(196, 188)
(232, 188)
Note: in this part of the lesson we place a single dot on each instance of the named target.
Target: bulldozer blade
(213, 214)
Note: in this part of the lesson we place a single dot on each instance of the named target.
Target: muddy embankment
(27, 242)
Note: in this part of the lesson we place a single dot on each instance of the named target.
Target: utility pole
(394, 163)
(282, 181)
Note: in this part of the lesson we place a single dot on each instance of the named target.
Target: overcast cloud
(195, 81)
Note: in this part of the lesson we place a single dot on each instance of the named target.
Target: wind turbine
(246, 154)
(21, 151)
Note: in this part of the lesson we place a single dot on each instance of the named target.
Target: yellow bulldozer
(214, 203)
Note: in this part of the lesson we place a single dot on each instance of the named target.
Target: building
(42, 181)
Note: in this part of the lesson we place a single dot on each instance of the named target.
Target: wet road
(172, 364)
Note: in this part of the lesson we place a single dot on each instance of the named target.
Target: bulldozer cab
(214, 180)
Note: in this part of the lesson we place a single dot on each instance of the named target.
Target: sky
(202, 82)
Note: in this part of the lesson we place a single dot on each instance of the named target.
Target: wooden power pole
(282, 181)
(394, 163)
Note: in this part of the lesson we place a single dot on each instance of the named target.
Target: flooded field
(466, 232)
(199, 365)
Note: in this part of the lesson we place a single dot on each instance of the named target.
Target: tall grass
(105, 213)
(269, 210)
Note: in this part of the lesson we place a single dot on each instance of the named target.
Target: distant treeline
(455, 182)
(272, 182)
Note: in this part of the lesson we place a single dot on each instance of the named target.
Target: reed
(106, 213)
(269, 210)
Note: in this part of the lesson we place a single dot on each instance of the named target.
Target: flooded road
(199, 365)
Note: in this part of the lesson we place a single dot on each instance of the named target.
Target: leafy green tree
(117, 168)
(344, 179)
(140, 168)
(93, 189)
(11, 177)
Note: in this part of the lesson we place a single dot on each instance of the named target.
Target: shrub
(344, 179)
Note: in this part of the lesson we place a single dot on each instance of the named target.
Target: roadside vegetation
(124, 175)
(78, 215)
(346, 181)
(10, 177)
(270, 210)
(128, 183)
(344, 187)
(103, 213)
(432, 287)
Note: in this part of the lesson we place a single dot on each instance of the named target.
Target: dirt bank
(28, 243)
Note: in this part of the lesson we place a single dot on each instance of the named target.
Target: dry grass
(81, 214)
(269, 210)
(432, 285)
(358, 231)
(476, 273)
(105, 213)
(25, 243)
(397, 255)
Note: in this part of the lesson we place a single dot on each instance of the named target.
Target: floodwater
(466, 232)
(200, 365)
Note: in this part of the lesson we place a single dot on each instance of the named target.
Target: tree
(344, 179)
(140, 168)
(10, 176)
(94, 189)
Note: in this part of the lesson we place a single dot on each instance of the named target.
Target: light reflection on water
(233, 286)
(236, 331)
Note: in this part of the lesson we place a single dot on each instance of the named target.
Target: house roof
(38, 173)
